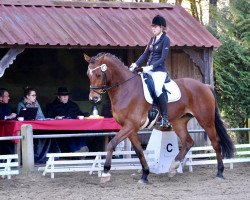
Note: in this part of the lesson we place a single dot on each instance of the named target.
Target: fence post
(27, 148)
(127, 147)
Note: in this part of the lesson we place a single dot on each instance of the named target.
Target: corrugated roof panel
(92, 24)
(89, 26)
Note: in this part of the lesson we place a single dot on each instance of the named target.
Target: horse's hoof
(143, 182)
(173, 168)
(220, 177)
(105, 178)
(135, 176)
(172, 173)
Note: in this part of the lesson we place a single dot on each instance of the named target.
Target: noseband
(104, 88)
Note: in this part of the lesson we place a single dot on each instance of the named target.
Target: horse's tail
(226, 143)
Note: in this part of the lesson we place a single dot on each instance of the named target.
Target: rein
(104, 88)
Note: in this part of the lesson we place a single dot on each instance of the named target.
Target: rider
(156, 53)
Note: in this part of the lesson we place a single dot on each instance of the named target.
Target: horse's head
(98, 76)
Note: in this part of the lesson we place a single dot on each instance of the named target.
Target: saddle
(170, 88)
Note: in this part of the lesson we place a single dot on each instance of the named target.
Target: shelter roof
(81, 24)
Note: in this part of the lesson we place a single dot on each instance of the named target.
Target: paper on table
(94, 117)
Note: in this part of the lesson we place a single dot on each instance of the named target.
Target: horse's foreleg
(134, 138)
(180, 127)
(120, 136)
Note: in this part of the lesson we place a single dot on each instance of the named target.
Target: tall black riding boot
(162, 99)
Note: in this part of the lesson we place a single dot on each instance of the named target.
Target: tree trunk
(201, 12)
(178, 2)
(243, 136)
(212, 6)
(194, 9)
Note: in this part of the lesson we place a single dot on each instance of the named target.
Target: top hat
(62, 91)
(159, 21)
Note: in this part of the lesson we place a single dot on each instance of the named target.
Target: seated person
(63, 107)
(5, 110)
(41, 146)
(29, 100)
(6, 146)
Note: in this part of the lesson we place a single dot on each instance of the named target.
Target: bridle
(104, 88)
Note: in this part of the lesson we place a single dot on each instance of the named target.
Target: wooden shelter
(50, 37)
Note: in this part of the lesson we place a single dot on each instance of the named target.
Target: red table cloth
(12, 128)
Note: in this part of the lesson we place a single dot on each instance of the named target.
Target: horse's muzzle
(94, 99)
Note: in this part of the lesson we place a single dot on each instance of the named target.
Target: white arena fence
(9, 165)
(28, 152)
(59, 162)
(206, 156)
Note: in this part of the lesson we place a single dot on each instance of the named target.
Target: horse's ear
(86, 57)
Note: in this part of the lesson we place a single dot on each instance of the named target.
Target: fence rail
(11, 138)
(206, 155)
(27, 141)
(102, 134)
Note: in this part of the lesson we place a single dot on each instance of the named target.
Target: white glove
(132, 67)
(147, 68)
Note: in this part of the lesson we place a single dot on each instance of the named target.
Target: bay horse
(130, 109)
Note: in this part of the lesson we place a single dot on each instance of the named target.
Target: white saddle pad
(172, 87)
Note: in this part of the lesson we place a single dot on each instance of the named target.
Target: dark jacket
(69, 110)
(156, 53)
(5, 110)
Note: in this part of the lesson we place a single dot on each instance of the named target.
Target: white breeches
(159, 79)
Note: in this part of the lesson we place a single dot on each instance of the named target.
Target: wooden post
(127, 147)
(106, 141)
(27, 148)
(18, 149)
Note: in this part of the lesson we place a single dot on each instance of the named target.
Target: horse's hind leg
(180, 127)
(207, 122)
(212, 134)
(134, 138)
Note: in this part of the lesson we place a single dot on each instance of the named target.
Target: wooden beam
(8, 59)
(194, 56)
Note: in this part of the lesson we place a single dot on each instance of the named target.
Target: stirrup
(165, 128)
(164, 121)
(165, 125)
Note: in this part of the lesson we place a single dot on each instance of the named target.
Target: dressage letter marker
(165, 146)
(169, 147)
